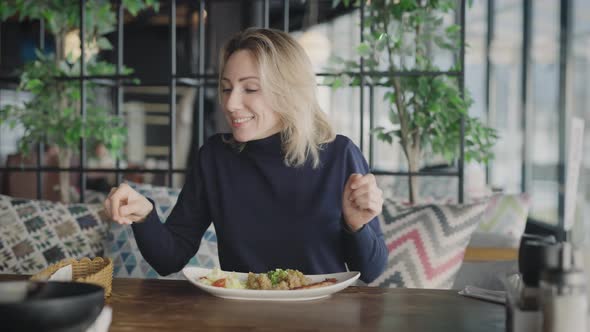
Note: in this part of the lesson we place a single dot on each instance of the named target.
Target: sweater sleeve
(364, 250)
(168, 246)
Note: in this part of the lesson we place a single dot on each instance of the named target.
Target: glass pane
(505, 92)
(306, 14)
(545, 125)
(9, 137)
(187, 37)
(148, 57)
(475, 78)
(322, 38)
(343, 109)
(146, 111)
(439, 189)
(224, 19)
(580, 101)
(15, 183)
(100, 99)
(443, 58)
(19, 41)
(475, 57)
(188, 22)
(387, 156)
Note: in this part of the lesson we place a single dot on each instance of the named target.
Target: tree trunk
(60, 48)
(65, 156)
(414, 165)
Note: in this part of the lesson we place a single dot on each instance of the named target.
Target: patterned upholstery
(503, 222)
(121, 246)
(35, 234)
(505, 215)
(426, 243)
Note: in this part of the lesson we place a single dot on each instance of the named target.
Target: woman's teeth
(242, 120)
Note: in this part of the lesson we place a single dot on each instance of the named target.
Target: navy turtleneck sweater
(266, 215)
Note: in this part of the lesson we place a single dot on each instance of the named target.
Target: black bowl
(49, 306)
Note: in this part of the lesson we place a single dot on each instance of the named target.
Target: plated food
(218, 278)
(277, 279)
(235, 284)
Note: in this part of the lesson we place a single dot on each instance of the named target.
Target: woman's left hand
(362, 200)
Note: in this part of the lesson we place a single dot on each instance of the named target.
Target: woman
(282, 190)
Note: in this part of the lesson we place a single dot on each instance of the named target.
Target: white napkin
(484, 294)
(63, 274)
(103, 321)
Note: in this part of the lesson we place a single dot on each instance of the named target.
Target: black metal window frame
(201, 80)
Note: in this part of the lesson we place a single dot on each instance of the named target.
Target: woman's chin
(241, 138)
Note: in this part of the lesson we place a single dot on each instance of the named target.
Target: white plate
(344, 280)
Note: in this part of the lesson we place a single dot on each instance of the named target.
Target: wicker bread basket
(97, 271)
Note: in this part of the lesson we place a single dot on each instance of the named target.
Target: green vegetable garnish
(277, 276)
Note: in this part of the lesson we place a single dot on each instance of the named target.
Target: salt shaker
(563, 290)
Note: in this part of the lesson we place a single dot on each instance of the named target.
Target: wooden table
(177, 305)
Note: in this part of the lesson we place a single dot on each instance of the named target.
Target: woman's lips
(240, 122)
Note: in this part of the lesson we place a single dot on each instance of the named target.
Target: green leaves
(63, 16)
(7, 9)
(135, 6)
(346, 3)
(363, 49)
(104, 44)
(52, 115)
(34, 85)
(425, 111)
(385, 135)
(334, 82)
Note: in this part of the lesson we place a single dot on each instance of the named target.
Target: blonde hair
(288, 82)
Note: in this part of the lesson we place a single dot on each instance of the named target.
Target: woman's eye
(251, 90)
(226, 90)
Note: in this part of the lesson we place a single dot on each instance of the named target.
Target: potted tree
(425, 111)
(52, 115)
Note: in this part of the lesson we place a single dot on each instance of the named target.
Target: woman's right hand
(124, 205)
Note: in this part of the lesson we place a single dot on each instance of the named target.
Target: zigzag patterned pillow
(506, 215)
(426, 243)
(122, 248)
(35, 234)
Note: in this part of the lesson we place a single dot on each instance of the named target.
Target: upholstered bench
(430, 245)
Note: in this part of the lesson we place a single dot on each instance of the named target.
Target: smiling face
(245, 107)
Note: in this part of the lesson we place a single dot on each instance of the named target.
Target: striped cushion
(506, 215)
(426, 243)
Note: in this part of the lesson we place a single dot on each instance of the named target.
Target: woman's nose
(234, 101)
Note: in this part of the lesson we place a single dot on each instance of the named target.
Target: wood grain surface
(177, 305)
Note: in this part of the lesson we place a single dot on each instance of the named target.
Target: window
(172, 108)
